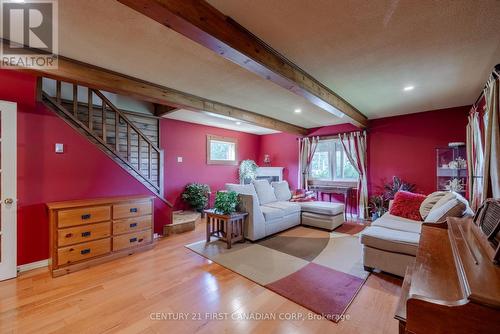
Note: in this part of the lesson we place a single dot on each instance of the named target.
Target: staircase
(111, 130)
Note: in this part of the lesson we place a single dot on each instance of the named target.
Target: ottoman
(326, 215)
(389, 250)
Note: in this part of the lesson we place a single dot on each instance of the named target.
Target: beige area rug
(320, 270)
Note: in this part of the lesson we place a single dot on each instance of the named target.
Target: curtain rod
(334, 136)
(495, 69)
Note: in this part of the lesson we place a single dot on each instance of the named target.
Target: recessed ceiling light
(408, 88)
(298, 110)
(238, 123)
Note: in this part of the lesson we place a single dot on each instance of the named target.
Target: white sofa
(270, 210)
(391, 242)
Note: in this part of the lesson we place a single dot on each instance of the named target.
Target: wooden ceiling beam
(74, 71)
(163, 110)
(204, 24)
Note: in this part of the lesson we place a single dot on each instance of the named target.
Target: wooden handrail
(122, 115)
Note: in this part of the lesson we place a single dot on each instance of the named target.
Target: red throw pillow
(407, 205)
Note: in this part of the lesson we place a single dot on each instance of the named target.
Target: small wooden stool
(228, 228)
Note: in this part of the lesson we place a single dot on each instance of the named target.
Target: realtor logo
(29, 32)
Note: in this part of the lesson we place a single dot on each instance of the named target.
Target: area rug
(320, 270)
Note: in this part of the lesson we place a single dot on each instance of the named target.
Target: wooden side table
(228, 228)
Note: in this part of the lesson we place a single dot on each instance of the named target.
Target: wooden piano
(453, 287)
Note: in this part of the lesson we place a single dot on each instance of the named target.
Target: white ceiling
(367, 51)
(217, 121)
(111, 35)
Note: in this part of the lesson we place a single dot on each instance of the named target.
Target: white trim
(8, 190)
(33, 265)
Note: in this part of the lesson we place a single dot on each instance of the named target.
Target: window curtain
(475, 159)
(307, 147)
(354, 145)
(491, 166)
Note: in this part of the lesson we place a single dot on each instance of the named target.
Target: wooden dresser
(84, 233)
(453, 287)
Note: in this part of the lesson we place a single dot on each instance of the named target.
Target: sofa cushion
(265, 192)
(407, 205)
(271, 213)
(282, 190)
(245, 189)
(398, 223)
(390, 240)
(323, 208)
(429, 202)
(450, 205)
(288, 207)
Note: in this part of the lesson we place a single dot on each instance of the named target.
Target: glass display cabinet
(452, 169)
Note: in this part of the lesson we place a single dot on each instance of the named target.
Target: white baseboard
(33, 265)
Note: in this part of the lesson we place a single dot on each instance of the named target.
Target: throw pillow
(407, 205)
(302, 195)
(282, 190)
(264, 191)
(430, 201)
(450, 205)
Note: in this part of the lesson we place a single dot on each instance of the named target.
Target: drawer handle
(69, 235)
(133, 225)
(140, 240)
(133, 239)
(86, 234)
(133, 210)
(86, 216)
(85, 251)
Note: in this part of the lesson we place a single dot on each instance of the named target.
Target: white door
(8, 181)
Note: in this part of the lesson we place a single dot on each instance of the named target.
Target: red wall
(83, 171)
(405, 145)
(402, 145)
(187, 140)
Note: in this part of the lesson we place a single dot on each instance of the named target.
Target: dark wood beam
(162, 110)
(74, 71)
(202, 23)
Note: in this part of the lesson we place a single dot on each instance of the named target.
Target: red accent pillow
(407, 205)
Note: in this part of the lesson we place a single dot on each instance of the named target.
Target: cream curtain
(307, 147)
(475, 156)
(354, 145)
(491, 168)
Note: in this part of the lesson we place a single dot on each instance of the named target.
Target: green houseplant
(247, 171)
(226, 202)
(196, 195)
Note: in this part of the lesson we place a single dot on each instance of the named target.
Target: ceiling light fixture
(298, 110)
(408, 88)
(238, 123)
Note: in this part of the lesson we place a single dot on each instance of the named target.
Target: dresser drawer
(80, 216)
(87, 250)
(132, 225)
(130, 210)
(131, 240)
(74, 235)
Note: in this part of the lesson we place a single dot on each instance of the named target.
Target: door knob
(9, 201)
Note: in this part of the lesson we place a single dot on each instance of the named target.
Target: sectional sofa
(391, 242)
(270, 210)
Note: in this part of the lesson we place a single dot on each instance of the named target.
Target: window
(221, 150)
(330, 163)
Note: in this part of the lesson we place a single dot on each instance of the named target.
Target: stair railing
(120, 120)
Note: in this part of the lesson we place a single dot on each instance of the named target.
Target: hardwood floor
(124, 295)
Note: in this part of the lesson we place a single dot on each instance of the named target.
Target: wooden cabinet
(88, 232)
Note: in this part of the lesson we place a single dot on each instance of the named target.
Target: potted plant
(226, 202)
(390, 189)
(197, 195)
(377, 206)
(248, 171)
